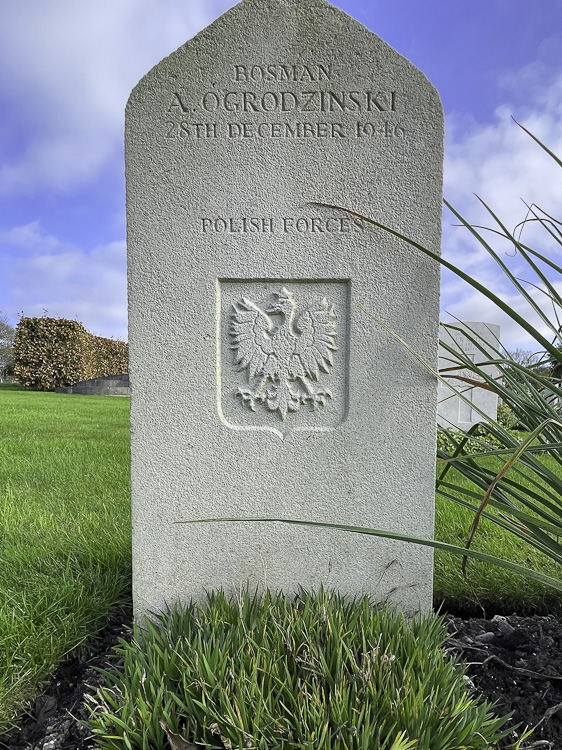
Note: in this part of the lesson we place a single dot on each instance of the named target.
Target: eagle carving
(283, 353)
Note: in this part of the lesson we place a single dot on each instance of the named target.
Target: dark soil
(54, 722)
(515, 662)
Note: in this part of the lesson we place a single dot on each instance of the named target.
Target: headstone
(264, 385)
(478, 403)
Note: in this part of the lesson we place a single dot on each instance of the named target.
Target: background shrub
(449, 439)
(507, 417)
(54, 352)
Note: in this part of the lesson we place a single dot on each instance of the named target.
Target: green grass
(65, 537)
(494, 589)
(64, 530)
(273, 672)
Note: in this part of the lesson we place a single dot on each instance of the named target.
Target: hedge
(53, 352)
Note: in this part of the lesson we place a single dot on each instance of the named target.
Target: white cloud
(67, 68)
(474, 306)
(30, 237)
(68, 282)
(506, 169)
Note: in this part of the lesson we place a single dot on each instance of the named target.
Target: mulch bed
(514, 661)
(55, 721)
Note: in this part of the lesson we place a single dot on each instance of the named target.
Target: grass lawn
(65, 537)
(489, 587)
(64, 530)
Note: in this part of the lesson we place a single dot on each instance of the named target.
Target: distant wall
(54, 352)
(110, 385)
(452, 411)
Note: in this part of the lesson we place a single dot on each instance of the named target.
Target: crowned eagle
(284, 354)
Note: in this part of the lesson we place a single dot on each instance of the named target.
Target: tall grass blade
(532, 574)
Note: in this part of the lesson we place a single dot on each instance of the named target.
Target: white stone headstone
(478, 404)
(261, 387)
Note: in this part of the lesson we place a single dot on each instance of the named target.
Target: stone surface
(452, 410)
(234, 270)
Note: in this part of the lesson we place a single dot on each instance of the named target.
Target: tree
(7, 333)
(525, 357)
(555, 366)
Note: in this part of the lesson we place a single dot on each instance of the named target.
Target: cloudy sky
(66, 70)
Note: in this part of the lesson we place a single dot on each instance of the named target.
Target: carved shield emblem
(283, 353)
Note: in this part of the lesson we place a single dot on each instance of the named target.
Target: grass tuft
(316, 671)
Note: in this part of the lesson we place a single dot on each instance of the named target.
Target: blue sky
(66, 70)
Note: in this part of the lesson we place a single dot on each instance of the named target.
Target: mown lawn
(488, 587)
(65, 537)
(64, 530)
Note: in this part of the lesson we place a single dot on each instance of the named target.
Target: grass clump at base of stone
(65, 532)
(313, 671)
